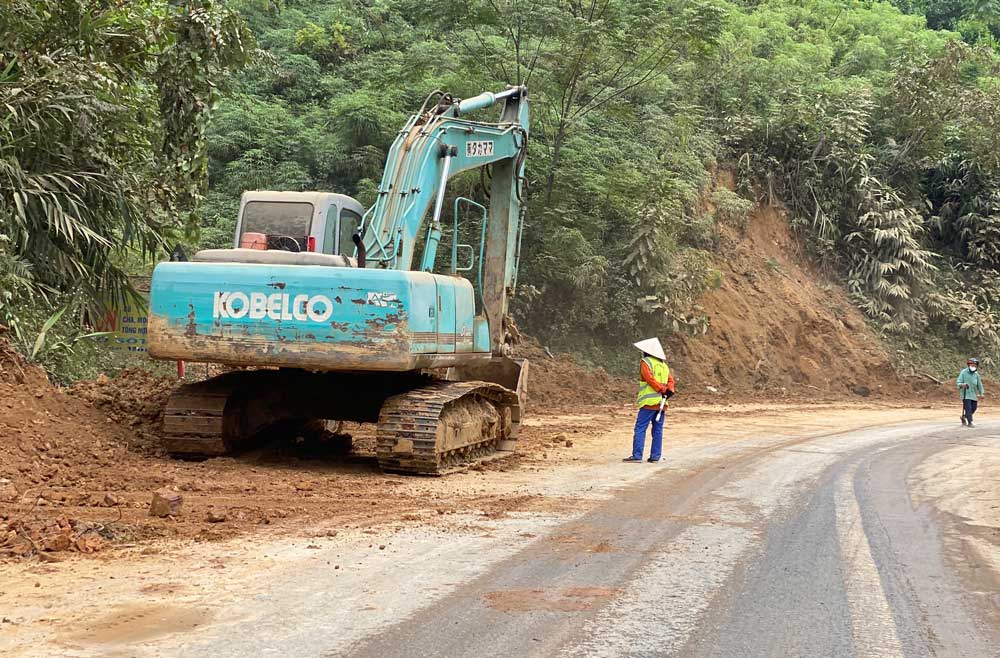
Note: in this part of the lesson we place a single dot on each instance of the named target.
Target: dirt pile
(57, 452)
(781, 327)
(52, 439)
(134, 398)
(79, 467)
(560, 380)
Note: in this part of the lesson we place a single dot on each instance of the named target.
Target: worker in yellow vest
(656, 386)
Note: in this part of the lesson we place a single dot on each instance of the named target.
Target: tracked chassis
(425, 425)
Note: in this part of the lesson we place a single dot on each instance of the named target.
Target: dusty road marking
(664, 602)
(872, 625)
(663, 606)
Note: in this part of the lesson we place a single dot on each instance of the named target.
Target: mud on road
(78, 466)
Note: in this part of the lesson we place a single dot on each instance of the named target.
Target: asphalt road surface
(778, 546)
(802, 547)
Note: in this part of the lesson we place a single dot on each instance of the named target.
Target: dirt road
(812, 531)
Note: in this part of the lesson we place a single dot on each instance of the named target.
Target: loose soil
(134, 399)
(781, 327)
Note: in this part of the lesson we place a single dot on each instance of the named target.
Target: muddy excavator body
(332, 312)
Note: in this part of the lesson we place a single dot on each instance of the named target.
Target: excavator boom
(434, 146)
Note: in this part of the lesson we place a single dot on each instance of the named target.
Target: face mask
(973, 368)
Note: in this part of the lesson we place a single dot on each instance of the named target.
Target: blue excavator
(332, 313)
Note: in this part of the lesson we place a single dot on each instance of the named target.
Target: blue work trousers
(970, 406)
(645, 417)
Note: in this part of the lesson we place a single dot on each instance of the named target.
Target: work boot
(970, 424)
(653, 461)
(963, 420)
(633, 459)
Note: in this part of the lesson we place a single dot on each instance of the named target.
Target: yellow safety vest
(647, 394)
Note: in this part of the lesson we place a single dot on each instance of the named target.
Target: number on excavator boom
(479, 149)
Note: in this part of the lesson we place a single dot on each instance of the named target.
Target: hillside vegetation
(876, 132)
(103, 113)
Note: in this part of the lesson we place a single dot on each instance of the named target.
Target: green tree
(104, 112)
(580, 57)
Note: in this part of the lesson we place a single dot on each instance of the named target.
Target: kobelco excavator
(345, 315)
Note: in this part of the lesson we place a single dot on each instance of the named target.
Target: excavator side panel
(307, 316)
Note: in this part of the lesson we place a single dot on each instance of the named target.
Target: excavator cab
(292, 228)
(318, 222)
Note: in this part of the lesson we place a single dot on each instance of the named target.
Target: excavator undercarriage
(427, 424)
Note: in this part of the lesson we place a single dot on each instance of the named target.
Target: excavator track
(425, 426)
(195, 422)
(214, 417)
(445, 426)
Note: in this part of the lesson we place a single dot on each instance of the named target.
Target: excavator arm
(435, 145)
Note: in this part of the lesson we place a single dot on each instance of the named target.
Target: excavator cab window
(284, 225)
(349, 222)
(341, 224)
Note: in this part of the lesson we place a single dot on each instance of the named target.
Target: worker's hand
(668, 394)
(963, 386)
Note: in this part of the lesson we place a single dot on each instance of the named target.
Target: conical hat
(652, 347)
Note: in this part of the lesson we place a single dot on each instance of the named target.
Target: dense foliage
(887, 160)
(104, 111)
(874, 123)
(877, 132)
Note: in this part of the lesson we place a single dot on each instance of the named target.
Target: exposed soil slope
(778, 325)
(558, 379)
